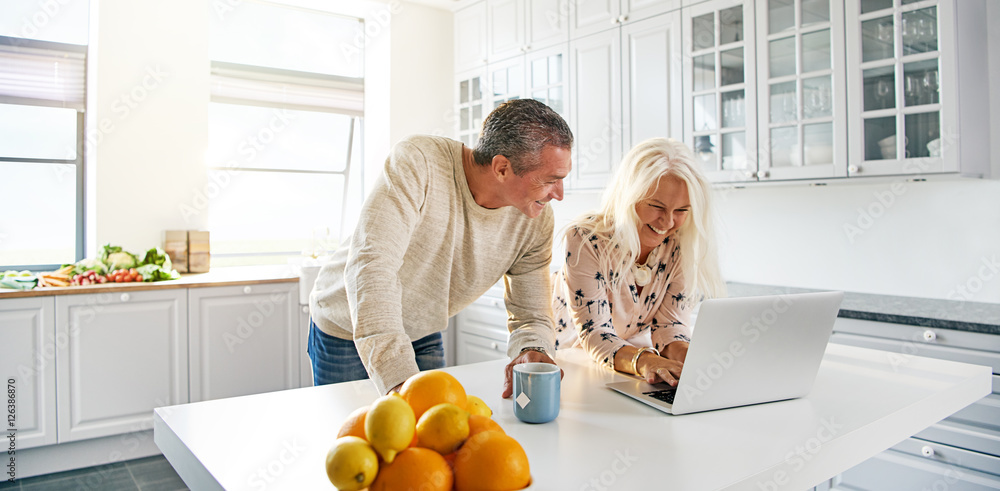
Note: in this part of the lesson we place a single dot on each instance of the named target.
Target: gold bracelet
(638, 353)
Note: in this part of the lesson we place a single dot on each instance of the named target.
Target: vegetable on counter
(112, 265)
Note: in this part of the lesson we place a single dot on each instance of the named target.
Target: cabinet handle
(930, 336)
(247, 289)
(125, 297)
(853, 169)
(927, 451)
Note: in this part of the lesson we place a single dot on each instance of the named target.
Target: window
(42, 88)
(284, 132)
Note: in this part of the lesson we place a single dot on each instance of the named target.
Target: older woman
(635, 267)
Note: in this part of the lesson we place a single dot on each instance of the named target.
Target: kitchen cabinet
(802, 111)
(481, 328)
(918, 86)
(519, 26)
(243, 340)
(27, 326)
(593, 16)
(960, 452)
(720, 88)
(470, 37)
(595, 108)
(472, 104)
(625, 87)
(651, 79)
(118, 356)
(542, 75)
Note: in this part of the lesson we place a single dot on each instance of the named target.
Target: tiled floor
(148, 474)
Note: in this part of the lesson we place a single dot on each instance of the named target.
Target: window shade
(284, 88)
(42, 73)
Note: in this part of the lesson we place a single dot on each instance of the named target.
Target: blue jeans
(336, 360)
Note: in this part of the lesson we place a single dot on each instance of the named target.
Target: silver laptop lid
(749, 350)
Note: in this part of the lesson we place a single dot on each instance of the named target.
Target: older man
(443, 224)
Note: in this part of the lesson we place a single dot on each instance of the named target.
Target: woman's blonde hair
(617, 222)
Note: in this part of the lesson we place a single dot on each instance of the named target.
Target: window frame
(79, 162)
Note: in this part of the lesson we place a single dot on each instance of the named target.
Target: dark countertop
(925, 312)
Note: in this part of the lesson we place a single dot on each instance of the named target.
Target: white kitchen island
(864, 401)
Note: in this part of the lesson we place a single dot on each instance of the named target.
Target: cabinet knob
(622, 18)
(927, 451)
(853, 169)
(761, 174)
(247, 289)
(749, 174)
(305, 309)
(496, 303)
(493, 346)
(930, 335)
(614, 21)
(125, 297)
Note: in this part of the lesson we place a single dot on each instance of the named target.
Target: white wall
(935, 239)
(147, 119)
(148, 96)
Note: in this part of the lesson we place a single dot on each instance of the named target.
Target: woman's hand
(657, 368)
(677, 350)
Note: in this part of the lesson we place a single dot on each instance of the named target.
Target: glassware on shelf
(783, 102)
(734, 151)
(880, 138)
(880, 88)
(921, 129)
(919, 29)
(877, 39)
(817, 97)
(733, 113)
(920, 83)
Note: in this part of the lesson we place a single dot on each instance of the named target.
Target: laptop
(747, 350)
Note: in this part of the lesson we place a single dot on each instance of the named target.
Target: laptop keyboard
(666, 395)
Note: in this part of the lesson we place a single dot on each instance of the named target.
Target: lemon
(476, 405)
(351, 464)
(390, 426)
(443, 428)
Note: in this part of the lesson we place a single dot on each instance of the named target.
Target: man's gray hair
(519, 130)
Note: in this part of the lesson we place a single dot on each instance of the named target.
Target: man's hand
(529, 356)
(677, 350)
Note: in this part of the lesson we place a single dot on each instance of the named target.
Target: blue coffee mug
(536, 392)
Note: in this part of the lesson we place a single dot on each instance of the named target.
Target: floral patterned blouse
(604, 310)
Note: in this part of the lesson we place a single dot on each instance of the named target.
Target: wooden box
(199, 255)
(175, 244)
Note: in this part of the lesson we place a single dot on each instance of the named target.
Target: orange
(414, 469)
(491, 461)
(478, 423)
(355, 424)
(427, 389)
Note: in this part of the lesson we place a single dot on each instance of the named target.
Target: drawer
(919, 335)
(897, 471)
(948, 455)
(474, 349)
(899, 349)
(961, 435)
(485, 311)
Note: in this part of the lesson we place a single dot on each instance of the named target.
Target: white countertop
(864, 401)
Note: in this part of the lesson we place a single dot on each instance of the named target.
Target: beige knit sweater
(422, 251)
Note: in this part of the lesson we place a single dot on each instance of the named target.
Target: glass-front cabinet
(472, 105)
(801, 104)
(720, 88)
(541, 75)
(902, 86)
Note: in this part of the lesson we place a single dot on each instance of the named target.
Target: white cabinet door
(505, 29)
(720, 88)
(635, 10)
(472, 102)
(590, 16)
(28, 368)
(244, 340)
(595, 108)
(470, 37)
(119, 355)
(547, 23)
(802, 103)
(651, 79)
